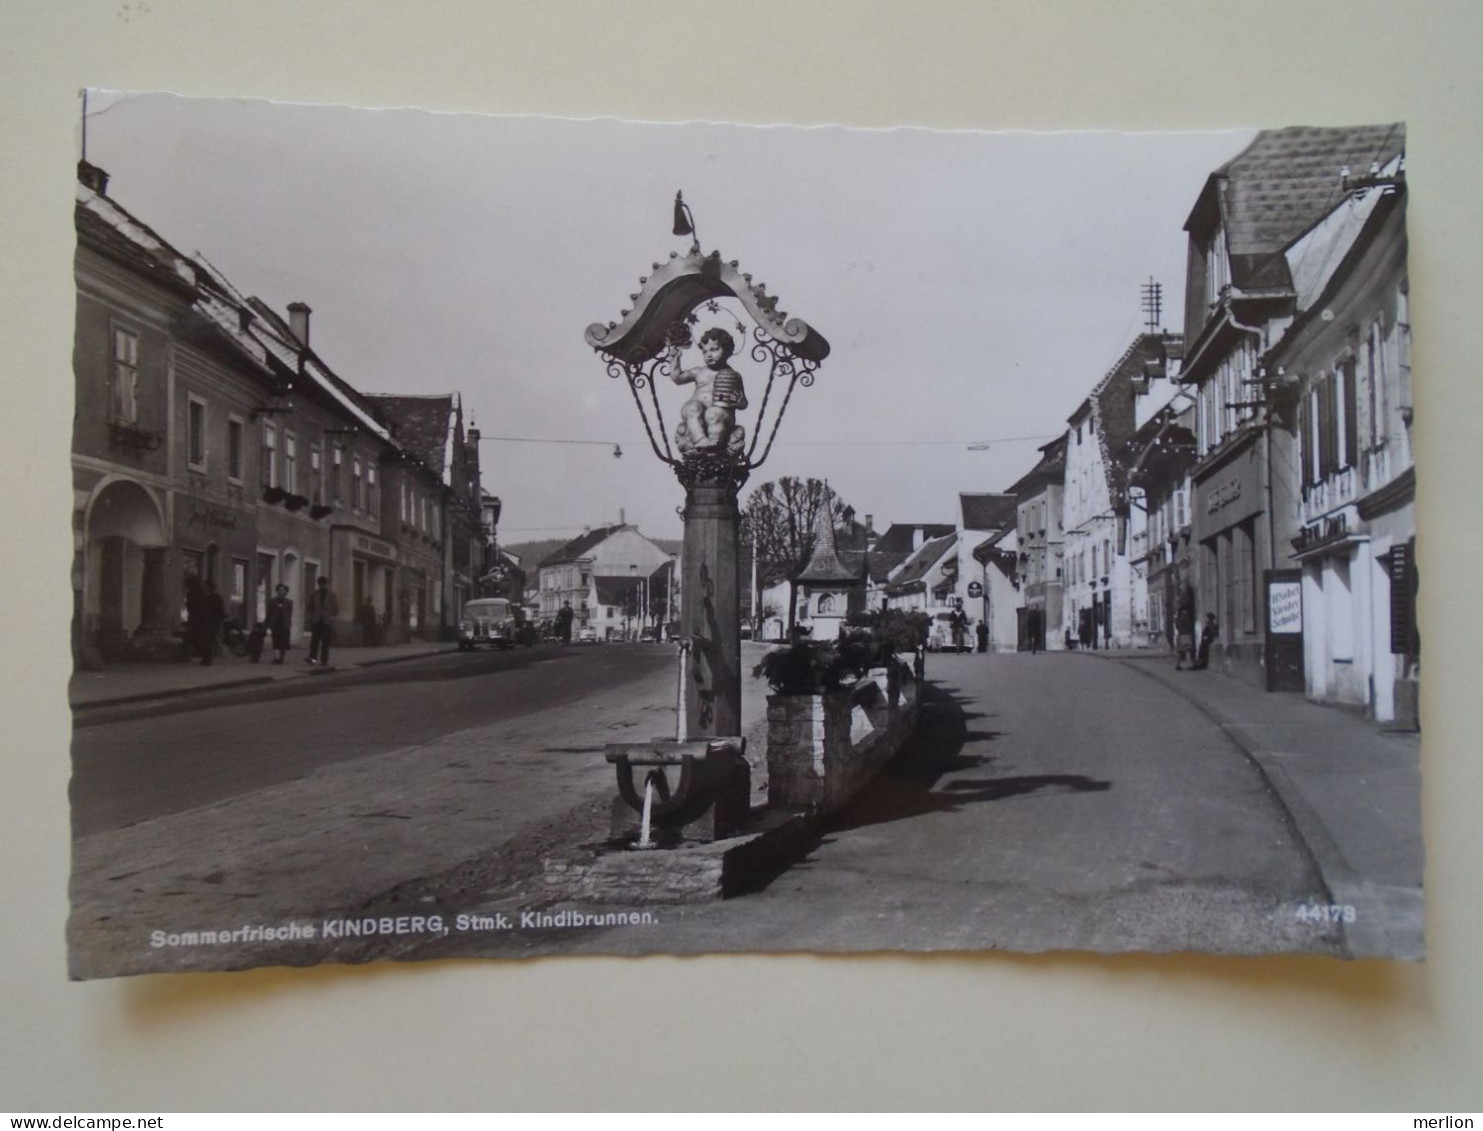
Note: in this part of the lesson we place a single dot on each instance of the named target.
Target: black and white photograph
(512, 537)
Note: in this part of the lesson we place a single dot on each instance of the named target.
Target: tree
(780, 524)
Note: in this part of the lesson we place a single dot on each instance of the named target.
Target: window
(270, 455)
(1246, 579)
(1346, 413)
(290, 463)
(357, 495)
(124, 381)
(237, 597)
(335, 476)
(316, 475)
(404, 502)
(195, 433)
(234, 449)
(372, 495)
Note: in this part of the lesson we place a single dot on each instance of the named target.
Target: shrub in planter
(296, 502)
(811, 667)
(320, 511)
(274, 494)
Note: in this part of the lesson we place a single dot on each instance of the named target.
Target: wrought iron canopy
(676, 288)
(644, 344)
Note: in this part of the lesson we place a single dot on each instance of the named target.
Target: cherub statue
(708, 418)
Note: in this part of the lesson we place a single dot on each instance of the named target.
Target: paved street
(1055, 801)
(1060, 801)
(136, 769)
(335, 796)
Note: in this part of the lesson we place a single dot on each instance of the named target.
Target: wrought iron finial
(685, 222)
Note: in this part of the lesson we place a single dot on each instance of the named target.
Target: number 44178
(1326, 913)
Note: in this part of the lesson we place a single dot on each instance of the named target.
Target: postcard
(512, 537)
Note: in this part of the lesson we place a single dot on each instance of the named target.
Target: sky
(973, 287)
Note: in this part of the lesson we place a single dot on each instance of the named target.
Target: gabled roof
(582, 545)
(422, 424)
(920, 563)
(987, 511)
(900, 537)
(1280, 184)
(1051, 468)
(114, 231)
(880, 565)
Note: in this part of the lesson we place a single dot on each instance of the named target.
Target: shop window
(1247, 572)
(237, 595)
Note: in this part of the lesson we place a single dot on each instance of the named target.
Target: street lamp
(694, 302)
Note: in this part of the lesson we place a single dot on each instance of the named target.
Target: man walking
(322, 609)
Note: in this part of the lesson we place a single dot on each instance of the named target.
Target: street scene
(1036, 572)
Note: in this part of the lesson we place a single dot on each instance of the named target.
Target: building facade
(211, 440)
(1039, 511)
(1346, 359)
(598, 573)
(1241, 295)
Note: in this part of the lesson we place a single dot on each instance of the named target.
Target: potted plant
(296, 502)
(812, 667)
(319, 510)
(274, 495)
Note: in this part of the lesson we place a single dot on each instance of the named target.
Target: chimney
(92, 177)
(918, 536)
(622, 519)
(870, 532)
(298, 321)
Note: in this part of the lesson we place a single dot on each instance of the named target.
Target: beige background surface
(993, 1031)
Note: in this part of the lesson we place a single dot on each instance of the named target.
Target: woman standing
(280, 622)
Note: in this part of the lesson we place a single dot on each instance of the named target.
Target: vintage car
(587, 635)
(488, 620)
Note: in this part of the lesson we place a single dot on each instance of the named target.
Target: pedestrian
(195, 615)
(213, 617)
(280, 621)
(982, 631)
(564, 623)
(1208, 632)
(1184, 637)
(321, 612)
(960, 630)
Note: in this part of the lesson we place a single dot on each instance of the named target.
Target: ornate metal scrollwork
(712, 467)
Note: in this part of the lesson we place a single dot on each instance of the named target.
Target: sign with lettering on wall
(1284, 607)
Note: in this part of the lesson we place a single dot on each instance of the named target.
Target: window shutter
(1305, 440)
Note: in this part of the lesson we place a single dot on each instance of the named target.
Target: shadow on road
(909, 787)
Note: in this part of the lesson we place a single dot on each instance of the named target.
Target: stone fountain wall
(822, 749)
